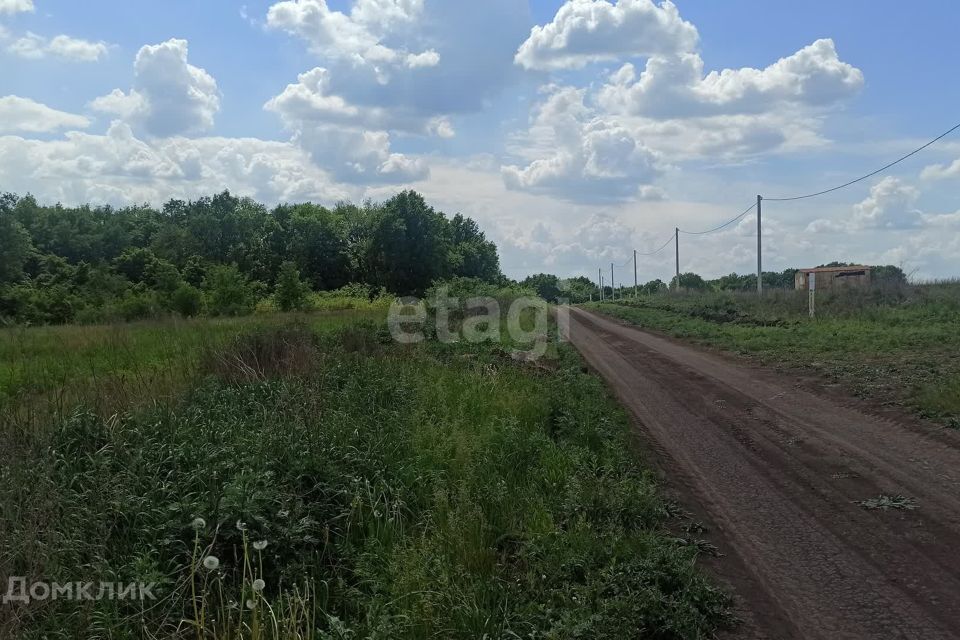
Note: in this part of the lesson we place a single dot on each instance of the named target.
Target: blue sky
(553, 141)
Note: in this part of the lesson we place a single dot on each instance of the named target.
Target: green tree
(315, 239)
(290, 292)
(15, 244)
(690, 282)
(187, 300)
(889, 274)
(547, 286)
(654, 287)
(471, 254)
(135, 264)
(405, 245)
(229, 292)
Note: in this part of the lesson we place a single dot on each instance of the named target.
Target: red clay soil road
(778, 471)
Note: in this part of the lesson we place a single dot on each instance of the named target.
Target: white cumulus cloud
(587, 31)
(10, 7)
(23, 115)
(891, 205)
(33, 46)
(363, 36)
(941, 171)
(169, 96)
(583, 158)
(120, 168)
(675, 86)
(617, 137)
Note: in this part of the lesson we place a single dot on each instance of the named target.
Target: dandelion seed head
(211, 563)
(198, 523)
(241, 526)
(251, 604)
(260, 545)
(259, 585)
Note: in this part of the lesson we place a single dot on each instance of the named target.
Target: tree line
(582, 289)
(223, 254)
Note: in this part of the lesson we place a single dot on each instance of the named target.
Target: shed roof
(834, 269)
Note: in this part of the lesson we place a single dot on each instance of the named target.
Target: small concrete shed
(829, 278)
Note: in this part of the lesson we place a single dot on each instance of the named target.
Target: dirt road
(778, 471)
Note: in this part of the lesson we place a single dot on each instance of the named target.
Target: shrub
(137, 306)
(187, 300)
(230, 293)
(291, 292)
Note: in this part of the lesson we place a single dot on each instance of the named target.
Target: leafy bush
(187, 300)
(229, 292)
(291, 293)
(137, 306)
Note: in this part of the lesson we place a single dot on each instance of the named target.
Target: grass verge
(897, 349)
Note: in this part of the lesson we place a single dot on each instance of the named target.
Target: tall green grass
(431, 491)
(47, 371)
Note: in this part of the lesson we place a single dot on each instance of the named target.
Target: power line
(653, 253)
(756, 205)
(869, 175)
(723, 226)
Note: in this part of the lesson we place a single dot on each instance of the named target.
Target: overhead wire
(723, 226)
(869, 175)
(662, 247)
(802, 197)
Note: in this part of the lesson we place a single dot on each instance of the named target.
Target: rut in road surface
(779, 470)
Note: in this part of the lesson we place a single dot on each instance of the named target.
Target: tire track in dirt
(778, 470)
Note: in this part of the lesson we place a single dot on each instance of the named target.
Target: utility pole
(759, 246)
(613, 292)
(600, 280)
(676, 238)
(635, 283)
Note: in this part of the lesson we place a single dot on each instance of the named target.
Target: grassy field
(306, 477)
(47, 371)
(898, 346)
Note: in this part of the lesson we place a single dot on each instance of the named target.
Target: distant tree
(229, 292)
(734, 282)
(472, 255)
(99, 260)
(405, 245)
(15, 244)
(163, 276)
(579, 289)
(547, 286)
(888, 274)
(135, 264)
(689, 281)
(187, 300)
(194, 271)
(315, 239)
(291, 292)
(653, 287)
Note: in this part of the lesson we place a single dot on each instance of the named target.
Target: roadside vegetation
(304, 476)
(894, 343)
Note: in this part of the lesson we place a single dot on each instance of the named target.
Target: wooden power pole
(759, 247)
(676, 237)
